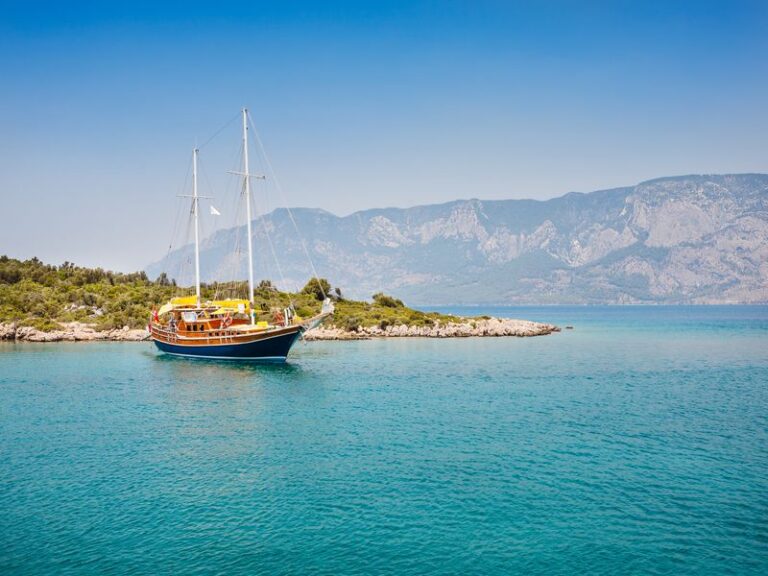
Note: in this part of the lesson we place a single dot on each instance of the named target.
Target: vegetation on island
(44, 296)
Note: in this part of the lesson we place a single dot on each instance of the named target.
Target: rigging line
(237, 208)
(205, 228)
(179, 210)
(205, 231)
(176, 221)
(239, 265)
(220, 130)
(279, 188)
(219, 287)
(231, 264)
(201, 170)
(265, 272)
(263, 221)
(235, 260)
(229, 271)
(187, 262)
(184, 261)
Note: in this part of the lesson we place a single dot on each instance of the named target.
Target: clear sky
(360, 104)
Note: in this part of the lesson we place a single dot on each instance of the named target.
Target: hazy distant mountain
(688, 239)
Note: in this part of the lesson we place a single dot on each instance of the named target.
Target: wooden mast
(247, 189)
(196, 211)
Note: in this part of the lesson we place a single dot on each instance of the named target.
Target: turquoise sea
(636, 443)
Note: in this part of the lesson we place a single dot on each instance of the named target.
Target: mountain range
(700, 239)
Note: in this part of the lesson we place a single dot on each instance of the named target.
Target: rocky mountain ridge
(688, 239)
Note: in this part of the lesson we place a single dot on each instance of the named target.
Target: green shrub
(352, 324)
(42, 295)
(320, 288)
(383, 300)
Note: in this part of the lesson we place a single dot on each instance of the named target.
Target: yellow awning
(232, 304)
(222, 306)
(164, 309)
(184, 301)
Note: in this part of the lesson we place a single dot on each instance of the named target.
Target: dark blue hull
(270, 349)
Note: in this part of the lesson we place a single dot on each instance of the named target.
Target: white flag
(215, 212)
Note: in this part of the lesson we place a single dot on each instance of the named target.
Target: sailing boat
(227, 329)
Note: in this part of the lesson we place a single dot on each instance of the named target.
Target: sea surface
(636, 443)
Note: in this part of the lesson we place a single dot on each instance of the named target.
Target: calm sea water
(636, 443)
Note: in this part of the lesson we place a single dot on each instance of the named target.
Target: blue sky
(360, 104)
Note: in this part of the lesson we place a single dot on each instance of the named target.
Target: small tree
(318, 287)
(383, 300)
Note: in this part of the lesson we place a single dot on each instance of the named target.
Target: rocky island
(466, 327)
(44, 303)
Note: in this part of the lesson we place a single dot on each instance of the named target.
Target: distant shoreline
(470, 327)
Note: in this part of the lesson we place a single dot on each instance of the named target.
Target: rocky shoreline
(70, 332)
(467, 329)
(78, 332)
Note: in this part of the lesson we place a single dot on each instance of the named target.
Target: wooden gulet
(227, 329)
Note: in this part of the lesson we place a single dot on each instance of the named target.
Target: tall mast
(247, 184)
(196, 211)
